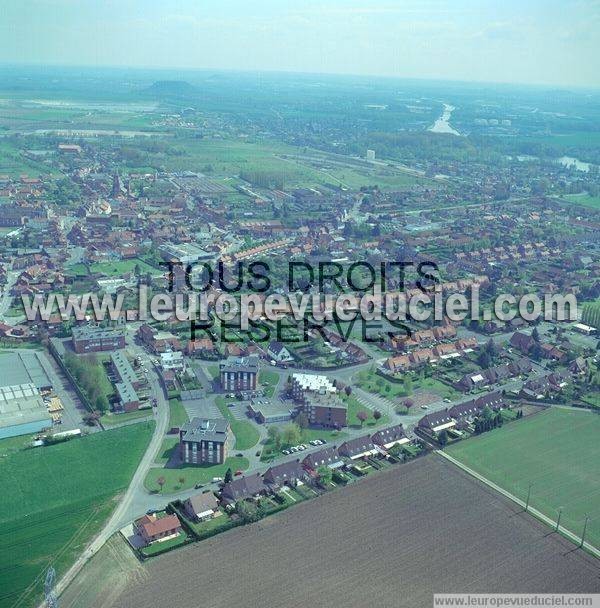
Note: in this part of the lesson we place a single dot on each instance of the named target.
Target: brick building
(92, 339)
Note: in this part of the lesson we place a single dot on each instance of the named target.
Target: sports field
(558, 451)
(54, 499)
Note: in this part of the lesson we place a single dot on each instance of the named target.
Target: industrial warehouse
(23, 382)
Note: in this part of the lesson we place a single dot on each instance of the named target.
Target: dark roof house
(324, 457)
(436, 421)
(286, 472)
(201, 506)
(243, 488)
(355, 448)
(390, 436)
(522, 342)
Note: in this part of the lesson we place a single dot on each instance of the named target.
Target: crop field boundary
(538, 514)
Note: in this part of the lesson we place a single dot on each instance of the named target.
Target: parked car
(238, 473)
(217, 479)
(198, 486)
(286, 452)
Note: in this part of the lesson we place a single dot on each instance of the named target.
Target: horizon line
(565, 86)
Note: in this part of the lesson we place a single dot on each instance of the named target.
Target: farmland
(55, 499)
(425, 517)
(584, 199)
(104, 576)
(221, 159)
(557, 451)
(12, 162)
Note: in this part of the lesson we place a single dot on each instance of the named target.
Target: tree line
(89, 375)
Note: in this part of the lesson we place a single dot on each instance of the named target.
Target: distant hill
(170, 88)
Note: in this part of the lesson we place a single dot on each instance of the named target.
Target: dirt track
(390, 540)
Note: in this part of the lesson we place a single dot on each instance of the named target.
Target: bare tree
(362, 416)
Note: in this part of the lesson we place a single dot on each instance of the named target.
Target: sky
(519, 41)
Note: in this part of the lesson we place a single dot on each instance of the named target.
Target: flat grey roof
(207, 429)
(92, 332)
(248, 363)
(22, 368)
(22, 404)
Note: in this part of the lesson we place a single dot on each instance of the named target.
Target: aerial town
(138, 444)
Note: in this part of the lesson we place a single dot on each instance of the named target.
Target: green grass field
(14, 163)
(374, 383)
(191, 475)
(55, 499)
(228, 158)
(177, 414)
(558, 451)
(268, 381)
(167, 449)
(109, 419)
(593, 202)
(117, 269)
(246, 434)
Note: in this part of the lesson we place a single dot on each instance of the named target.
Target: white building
(172, 360)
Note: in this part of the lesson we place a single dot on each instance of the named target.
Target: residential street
(128, 504)
(137, 500)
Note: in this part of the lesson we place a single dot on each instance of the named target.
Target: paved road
(138, 500)
(72, 415)
(124, 509)
(142, 500)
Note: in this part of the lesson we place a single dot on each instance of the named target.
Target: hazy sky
(533, 41)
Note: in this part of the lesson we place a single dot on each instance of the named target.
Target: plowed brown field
(390, 540)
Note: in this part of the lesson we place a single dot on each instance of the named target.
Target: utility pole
(560, 510)
(528, 496)
(587, 518)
